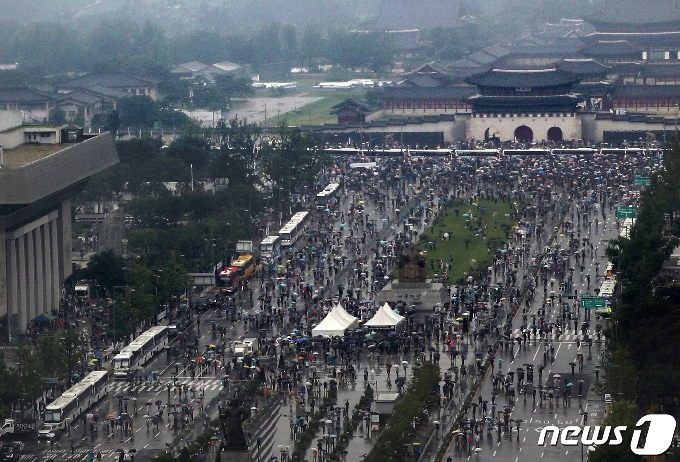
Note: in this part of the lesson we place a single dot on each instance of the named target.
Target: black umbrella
(120, 450)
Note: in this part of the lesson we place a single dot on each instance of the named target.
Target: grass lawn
(479, 249)
(318, 112)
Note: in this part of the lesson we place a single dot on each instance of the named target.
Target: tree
(113, 121)
(624, 413)
(235, 158)
(138, 111)
(107, 269)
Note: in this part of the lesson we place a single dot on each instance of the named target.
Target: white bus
(327, 196)
(269, 246)
(77, 399)
(293, 230)
(140, 350)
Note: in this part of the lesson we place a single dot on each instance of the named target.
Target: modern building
(41, 168)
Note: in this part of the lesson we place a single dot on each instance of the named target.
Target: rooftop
(516, 78)
(635, 13)
(25, 154)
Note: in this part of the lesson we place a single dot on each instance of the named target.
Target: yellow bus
(245, 265)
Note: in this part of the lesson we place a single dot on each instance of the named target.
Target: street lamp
(156, 276)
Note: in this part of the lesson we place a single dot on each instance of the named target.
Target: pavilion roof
(515, 78)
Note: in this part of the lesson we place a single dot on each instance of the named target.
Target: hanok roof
(547, 103)
(583, 66)
(25, 95)
(226, 66)
(497, 51)
(513, 78)
(635, 13)
(646, 91)
(352, 104)
(453, 92)
(410, 14)
(192, 66)
(661, 70)
(82, 98)
(105, 91)
(111, 81)
(592, 90)
(482, 58)
(612, 48)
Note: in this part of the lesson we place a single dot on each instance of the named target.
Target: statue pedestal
(236, 455)
(422, 295)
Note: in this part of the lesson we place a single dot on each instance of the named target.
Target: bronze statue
(412, 267)
(231, 422)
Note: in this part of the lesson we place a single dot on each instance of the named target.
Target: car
(47, 430)
(11, 451)
(172, 330)
(201, 304)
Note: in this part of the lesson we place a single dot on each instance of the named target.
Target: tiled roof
(105, 91)
(652, 91)
(82, 98)
(661, 70)
(24, 95)
(226, 66)
(423, 81)
(506, 78)
(405, 39)
(350, 102)
(496, 50)
(583, 66)
(193, 66)
(612, 48)
(417, 93)
(482, 58)
(552, 103)
(592, 90)
(111, 81)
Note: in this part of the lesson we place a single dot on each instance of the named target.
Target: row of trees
(52, 356)
(643, 371)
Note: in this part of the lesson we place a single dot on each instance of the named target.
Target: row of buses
(296, 226)
(94, 387)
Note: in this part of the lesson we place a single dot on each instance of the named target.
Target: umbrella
(557, 376)
(121, 450)
(214, 438)
(133, 450)
(405, 363)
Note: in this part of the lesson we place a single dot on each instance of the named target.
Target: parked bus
(269, 246)
(328, 196)
(140, 350)
(293, 230)
(77, 399)
(229, 279)
(245, 265)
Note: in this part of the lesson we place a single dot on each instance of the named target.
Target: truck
(244, 347)
(17, 427)
(244, 247)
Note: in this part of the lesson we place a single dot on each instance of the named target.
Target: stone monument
(234, 444)
(413, 288)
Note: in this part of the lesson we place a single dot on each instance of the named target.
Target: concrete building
(41, 168)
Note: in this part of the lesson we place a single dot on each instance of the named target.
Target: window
(657, 55)
(71, 113)
(666, 55)
(142, 91)
(523, 89)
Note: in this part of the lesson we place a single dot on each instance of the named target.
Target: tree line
(643, 373)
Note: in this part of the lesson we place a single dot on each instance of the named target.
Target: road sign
(626, 212)
(586, 295)
(642, 181)
(592, 303)
(51, 380)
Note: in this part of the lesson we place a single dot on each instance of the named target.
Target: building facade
(37, 180)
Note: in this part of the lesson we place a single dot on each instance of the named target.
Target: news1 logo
(659, 435)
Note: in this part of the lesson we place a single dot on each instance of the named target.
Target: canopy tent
(45, 318)
(385, 318)
(336, 322)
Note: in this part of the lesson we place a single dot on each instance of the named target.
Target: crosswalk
(65, 454)
(569, 335)
(208, 384)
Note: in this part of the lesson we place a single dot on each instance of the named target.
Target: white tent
(336, 322)
(384, 318)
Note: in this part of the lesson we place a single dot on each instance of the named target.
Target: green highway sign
(642, 181)
(626, 212)
(593, 303)
(586, 295)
